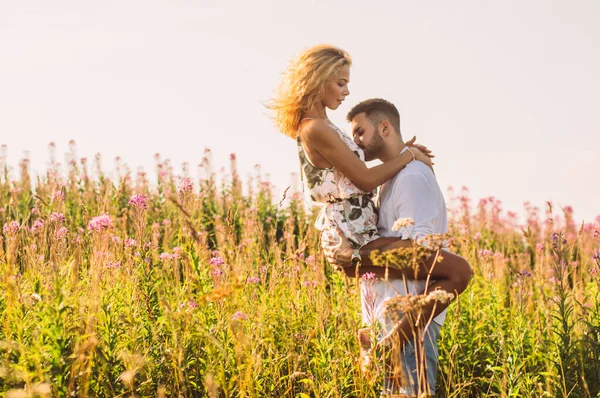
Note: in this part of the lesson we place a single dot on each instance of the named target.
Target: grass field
(186, 287)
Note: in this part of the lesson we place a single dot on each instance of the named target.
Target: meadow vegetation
(131, 285)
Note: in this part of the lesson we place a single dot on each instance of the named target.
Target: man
(413, 193)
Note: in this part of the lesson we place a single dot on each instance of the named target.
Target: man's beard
(374, 148)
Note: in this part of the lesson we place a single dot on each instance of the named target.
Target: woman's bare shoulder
(316, 130)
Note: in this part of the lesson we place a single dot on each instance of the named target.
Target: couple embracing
(353, 223)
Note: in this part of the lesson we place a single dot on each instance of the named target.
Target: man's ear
(386, 129)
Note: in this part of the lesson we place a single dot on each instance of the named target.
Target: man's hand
(337, 248)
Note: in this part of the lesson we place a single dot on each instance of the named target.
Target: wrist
(356, 258)
(405, 158)
(411, 153)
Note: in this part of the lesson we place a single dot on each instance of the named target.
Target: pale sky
(506, 93)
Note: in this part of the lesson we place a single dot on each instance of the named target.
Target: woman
(332, 164)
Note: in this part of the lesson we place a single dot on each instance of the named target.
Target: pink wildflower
(217, 261)
(165, 256)
(193, 304)
(100, 223)
(61, 233)
(309, 283)
(252, 280)
(129, 242)
(37, 226)
(58, 218)
(539, 247)
(58, 196)
(568, 209)
(184, 185)
(477, 236)
(11, 228)
(139, 201)
(485, 253)
(310, 260)
(524, 274)
(369, 276)
(113, 265)
(216, 273)
(239, 316)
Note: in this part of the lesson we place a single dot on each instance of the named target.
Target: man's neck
(391, 149)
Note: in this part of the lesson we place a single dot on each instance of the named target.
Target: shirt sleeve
(414, 198)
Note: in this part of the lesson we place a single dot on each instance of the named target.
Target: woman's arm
(321, 137)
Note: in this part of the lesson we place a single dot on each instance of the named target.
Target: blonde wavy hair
(303, 85)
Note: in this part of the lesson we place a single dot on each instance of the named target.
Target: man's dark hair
(377, 109)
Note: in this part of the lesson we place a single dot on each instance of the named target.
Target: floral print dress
(345, 205)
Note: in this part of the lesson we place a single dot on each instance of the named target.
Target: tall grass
(209, 287)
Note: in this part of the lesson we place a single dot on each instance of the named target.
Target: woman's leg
(448, 271)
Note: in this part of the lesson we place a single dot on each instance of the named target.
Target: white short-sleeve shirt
(413, 193)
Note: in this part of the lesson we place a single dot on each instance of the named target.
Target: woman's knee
(464, 272)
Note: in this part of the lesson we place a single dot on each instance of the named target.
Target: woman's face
(336, 89)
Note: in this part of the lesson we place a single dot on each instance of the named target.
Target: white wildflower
(401, 223)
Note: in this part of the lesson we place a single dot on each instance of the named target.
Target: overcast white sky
(507, 93)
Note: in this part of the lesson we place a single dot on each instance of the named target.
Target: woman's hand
(421, 157)
(422, 148)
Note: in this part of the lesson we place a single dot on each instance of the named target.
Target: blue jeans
(409, 365)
